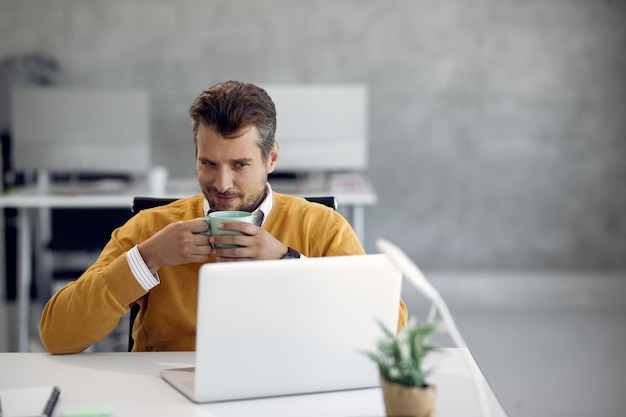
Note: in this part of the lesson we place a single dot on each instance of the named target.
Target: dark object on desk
(88, 177)
(142, 203)
(29, 402)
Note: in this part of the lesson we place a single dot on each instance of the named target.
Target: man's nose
(224, 180)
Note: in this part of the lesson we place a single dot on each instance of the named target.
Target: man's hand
(177, 243)
(255, 244)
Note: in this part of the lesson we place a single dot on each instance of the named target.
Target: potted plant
(403, 379)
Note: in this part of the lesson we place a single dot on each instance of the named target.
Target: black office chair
(142, 203)
(75, 238)
(68, 226)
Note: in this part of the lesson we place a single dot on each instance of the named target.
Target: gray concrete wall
(498, 127)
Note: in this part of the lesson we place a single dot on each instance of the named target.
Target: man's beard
(248, 205)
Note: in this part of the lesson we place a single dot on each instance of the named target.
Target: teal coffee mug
(225, 216)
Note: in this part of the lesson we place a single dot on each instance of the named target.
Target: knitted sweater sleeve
(86, 310)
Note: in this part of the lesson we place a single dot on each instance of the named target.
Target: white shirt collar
(261, 213)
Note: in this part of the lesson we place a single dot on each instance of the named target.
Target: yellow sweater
(88, 309)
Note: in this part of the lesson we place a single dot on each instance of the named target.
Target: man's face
(231, 171)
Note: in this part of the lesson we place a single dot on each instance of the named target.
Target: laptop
(285, 327)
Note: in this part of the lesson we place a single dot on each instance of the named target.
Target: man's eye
(240, 164)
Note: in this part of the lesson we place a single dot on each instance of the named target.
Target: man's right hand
(178, 243)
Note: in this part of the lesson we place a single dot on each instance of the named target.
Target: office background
(497, 140)
(496, 127)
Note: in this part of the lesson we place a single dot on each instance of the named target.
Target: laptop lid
(271, 328)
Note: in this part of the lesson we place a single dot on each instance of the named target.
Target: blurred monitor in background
(81, 130)
(321, 127)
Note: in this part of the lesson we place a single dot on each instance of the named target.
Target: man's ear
(273, 158)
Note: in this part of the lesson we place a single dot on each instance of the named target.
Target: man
(154, 259)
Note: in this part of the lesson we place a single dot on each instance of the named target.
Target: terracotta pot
(408, 401)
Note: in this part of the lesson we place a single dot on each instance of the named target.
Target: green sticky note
(88, 410)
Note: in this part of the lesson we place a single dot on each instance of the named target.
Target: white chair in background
(417, 278)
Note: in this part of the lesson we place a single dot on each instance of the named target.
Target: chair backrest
(68, 227)
(142, 203)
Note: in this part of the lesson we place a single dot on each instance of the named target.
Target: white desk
(130, 382)
(30, 200)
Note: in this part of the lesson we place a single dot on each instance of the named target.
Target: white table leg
(23, 278)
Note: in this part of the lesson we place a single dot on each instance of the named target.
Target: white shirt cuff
(140, 270)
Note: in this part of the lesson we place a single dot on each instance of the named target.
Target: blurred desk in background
(352, 191)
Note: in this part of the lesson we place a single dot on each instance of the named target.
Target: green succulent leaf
(400, 356)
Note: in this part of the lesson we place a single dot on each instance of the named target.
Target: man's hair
(230, 106)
